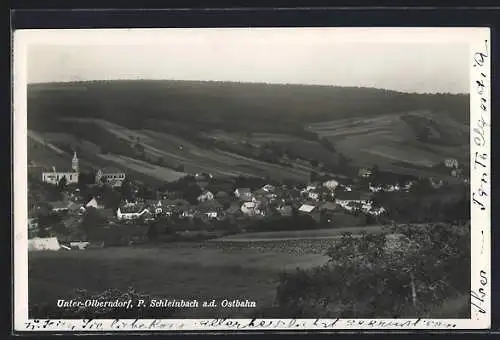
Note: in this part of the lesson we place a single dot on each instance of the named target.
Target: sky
(402, 62)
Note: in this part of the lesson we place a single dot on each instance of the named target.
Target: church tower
(74, 163)
(98, 177)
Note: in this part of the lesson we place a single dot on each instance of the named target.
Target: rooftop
(307, 208)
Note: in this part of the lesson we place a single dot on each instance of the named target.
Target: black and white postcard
(251, 179)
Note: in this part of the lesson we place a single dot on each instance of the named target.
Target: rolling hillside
(173, 121)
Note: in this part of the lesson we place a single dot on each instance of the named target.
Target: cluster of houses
(315, 200)
(316, 197)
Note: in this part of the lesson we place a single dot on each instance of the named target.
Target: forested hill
(226, 105)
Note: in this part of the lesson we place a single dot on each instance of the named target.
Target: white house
(54, 177)
(243, 193)
(114, 179)
(205, 196)
(209, 209)
(307, 208)
(94, 204)
(320, 193)
(49, 243)
(377, 188)
(351, 204)
(250, 209)
(59, 206)
(268, 188)
(451, 163)
(130, 212)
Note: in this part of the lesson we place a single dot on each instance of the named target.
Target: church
(55, 176)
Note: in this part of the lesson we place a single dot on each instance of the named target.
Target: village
(200, 202)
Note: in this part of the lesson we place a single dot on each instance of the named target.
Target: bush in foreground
(408, 273)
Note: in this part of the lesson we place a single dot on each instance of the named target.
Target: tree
(363, 271)
(191, 193)
(85, 178)
(313, 176)
(91, 220)
(126, 190)
(63, 182)
(152, 232)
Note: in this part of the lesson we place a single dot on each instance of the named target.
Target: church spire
(74, 162)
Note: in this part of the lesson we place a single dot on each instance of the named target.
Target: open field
(161, 173)
(170, 272)
(391, 138)
(424, 129)
(176, 150)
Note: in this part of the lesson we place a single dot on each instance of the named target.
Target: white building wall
(55, 177)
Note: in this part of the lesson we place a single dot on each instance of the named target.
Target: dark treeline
(223, 105)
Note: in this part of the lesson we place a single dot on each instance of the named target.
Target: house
(346, 188)
(310, 187)
(376, 211)
(80, 245)
(407, 186)
(320, 193)
(310, 210)
(59, 206)
(114, 179)
(169, 207)
(188, 212)
(154, 206)
(95, 203)
(262, 195)
(251, 209)
(205, 196)
(436, 183)
(209, 209)
(392, 188)
(131, 212)
(375, 188)
(285, 210)
(49, 243)
(353, 200)
(268, 188)
(331, 184)
(451, 163)
(244, 194)
(364, 172)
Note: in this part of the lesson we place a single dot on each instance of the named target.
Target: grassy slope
(186, 272)
(390, 139)
(132, 103)
(356, 119)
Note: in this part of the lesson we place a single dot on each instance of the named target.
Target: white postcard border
(479, 41)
